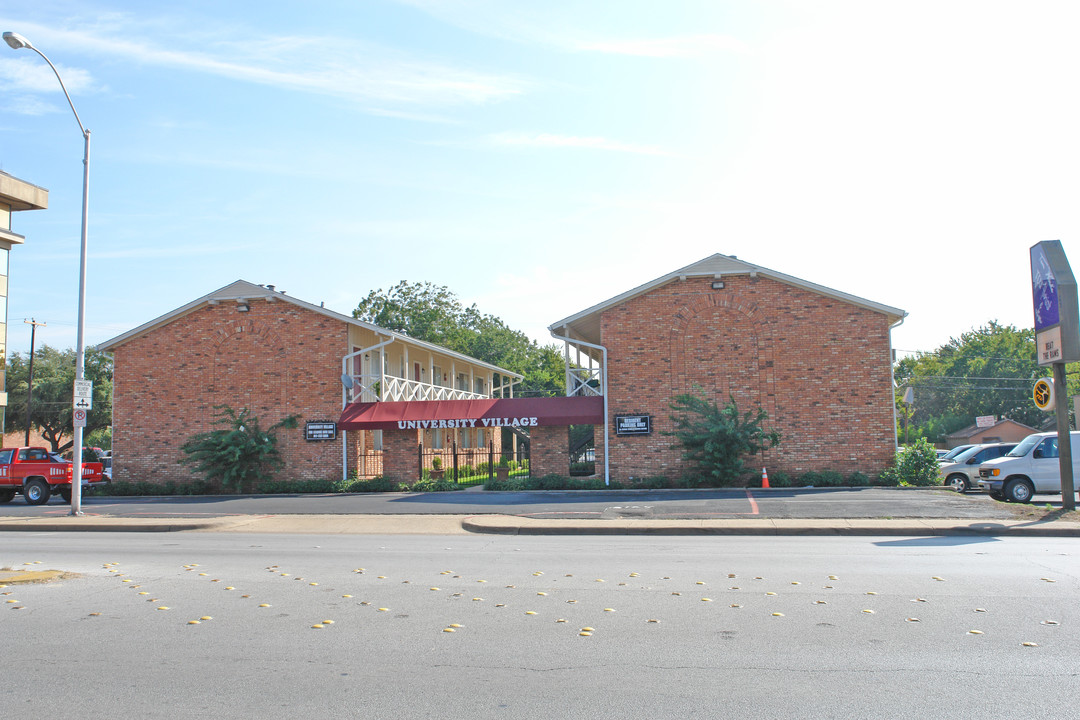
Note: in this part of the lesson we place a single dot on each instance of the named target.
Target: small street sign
(84, 394)
(79, 418)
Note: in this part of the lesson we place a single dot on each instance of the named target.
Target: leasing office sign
(1054, 299)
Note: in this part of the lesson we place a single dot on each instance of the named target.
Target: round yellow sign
(1043, 394)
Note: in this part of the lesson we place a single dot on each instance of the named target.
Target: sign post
(1057, 341)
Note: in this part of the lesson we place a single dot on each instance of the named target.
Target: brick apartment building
(817, 360)
(254, 347)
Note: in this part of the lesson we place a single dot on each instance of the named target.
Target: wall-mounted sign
(633, 424)
(320, 430)
(986, 421)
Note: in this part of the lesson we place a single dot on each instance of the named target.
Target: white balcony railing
(376, 388)
(584, 382)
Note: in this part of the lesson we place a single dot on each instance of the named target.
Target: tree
(54, 382)
(435, 314)
(715, 439)
(238, 456)
(987, 371)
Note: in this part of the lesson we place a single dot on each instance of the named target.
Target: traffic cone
(764, 478)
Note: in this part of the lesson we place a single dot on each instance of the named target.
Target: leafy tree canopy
(435, 314)
(986, 371)
(54, 382)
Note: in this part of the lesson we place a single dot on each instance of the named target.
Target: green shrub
(915, 465)
(240, 455)
(780, 479)
(858, 479)
(715, 440)
(429, 485)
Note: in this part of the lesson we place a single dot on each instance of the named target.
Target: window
(1048, 448)
(376, 439)
(437, 440)
(5, 456)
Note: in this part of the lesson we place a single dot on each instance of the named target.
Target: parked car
(1029, 468)
(962, 472)
(948, 457)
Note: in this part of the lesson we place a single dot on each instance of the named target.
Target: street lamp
(18, 42)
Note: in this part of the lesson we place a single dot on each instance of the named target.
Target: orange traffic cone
(764, 478)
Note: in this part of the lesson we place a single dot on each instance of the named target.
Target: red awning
(504, 412)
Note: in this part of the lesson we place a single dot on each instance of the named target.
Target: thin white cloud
(548, 140)
(343, 68)
(682, 46)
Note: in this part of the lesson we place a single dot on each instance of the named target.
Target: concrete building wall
(277, 359)
(820, 367)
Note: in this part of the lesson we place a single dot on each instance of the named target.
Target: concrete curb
(518, 525)
(511, 525)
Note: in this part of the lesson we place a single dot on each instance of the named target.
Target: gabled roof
(585, 325)
(972, 430)
(242, 290)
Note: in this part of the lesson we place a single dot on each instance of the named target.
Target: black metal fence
(471, 466)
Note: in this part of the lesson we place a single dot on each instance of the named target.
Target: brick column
(599, 442)
(548, 451)
(400, 457)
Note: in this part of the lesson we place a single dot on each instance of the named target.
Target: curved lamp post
(18, 42)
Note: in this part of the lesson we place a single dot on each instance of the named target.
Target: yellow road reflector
(205, 574)
(449, 630)
(206, 617)
(834, 577)
(652, 620)
(264, 604)
(327, 622)
(735, 605)
(164, 607)
(912, 619)
(530, 612)
(455, 625)
(585, 634)
(481, 581)
(734, 587)
(541, 593)
(478, 599)
(317, 626)
(778, 614)
(434, 588)
(870, 612)
(571, 602)
(245, 596)
(919, 600)
(676, 593)
(561, 620)
(706, 599)
(346, 596)
(795, 582)
(980, 609)
(939, 579)
(144, 593)
(500, 604)
(770, 593)
(230, 587)
(820, 602)
(871, 593)
(1030, 644)
(599, 580)
(384, 609)
(1049, 622)
(1048, 580)
(700, 582)
(609, 609)
(193, 622)
(95, 614)
(975, 632)
(586, 629)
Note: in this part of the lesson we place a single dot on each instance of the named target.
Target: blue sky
(539, 158)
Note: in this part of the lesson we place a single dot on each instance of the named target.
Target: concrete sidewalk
(518, 525)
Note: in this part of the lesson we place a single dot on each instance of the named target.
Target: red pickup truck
(37, 473)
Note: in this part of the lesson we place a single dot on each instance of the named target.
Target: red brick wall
(820, 367)
(277, 360)
(549, 450)
(401, 458)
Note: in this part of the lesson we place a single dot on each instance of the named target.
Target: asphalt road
(958, 627)
(658, 504)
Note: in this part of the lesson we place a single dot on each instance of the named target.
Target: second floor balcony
(388, 388)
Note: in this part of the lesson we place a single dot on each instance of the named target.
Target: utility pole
(30, 383)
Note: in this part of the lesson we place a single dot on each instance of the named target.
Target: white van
(1029, 468)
